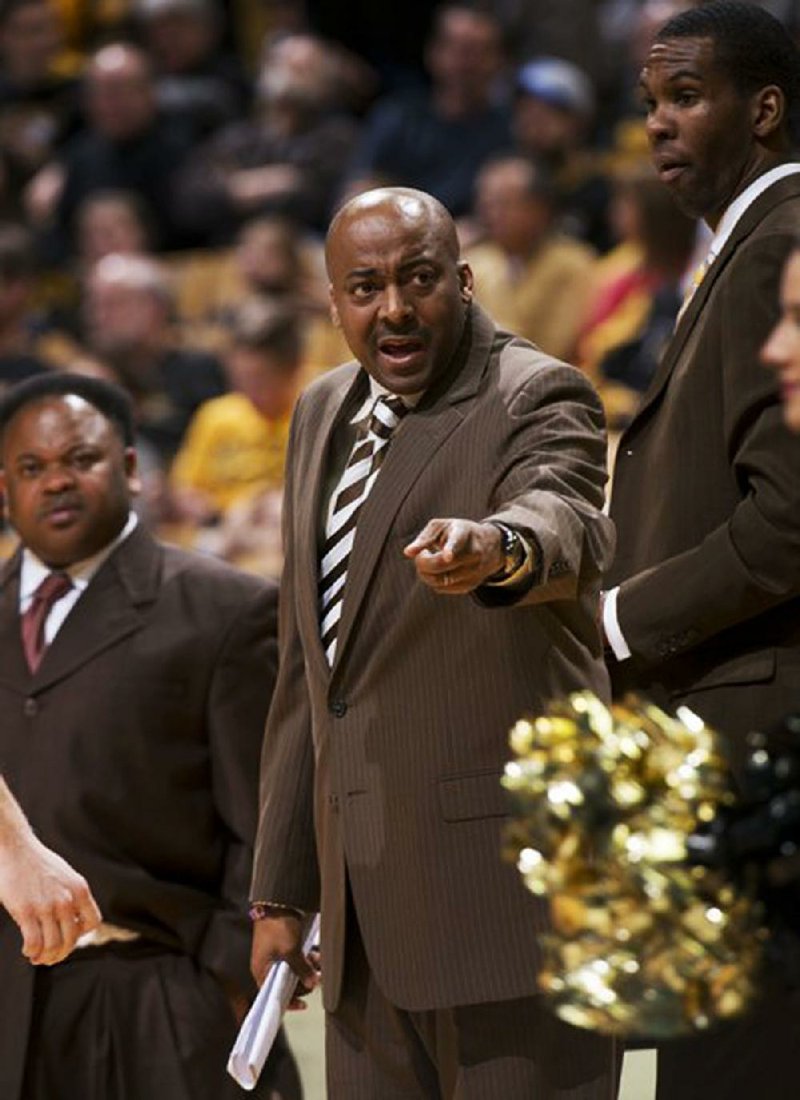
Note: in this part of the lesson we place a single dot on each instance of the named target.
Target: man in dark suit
(444, 540)
(134, 681)
(703, 606)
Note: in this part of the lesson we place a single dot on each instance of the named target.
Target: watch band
(514, 552)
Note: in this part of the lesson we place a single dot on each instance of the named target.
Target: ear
(769, 111)
(466, 280)
(334, 312)
(132, 471)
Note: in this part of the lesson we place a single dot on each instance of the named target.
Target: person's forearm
(14, 827)
(49, 901)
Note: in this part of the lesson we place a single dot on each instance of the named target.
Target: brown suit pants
(514, 1050)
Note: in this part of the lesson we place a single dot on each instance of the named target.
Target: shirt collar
(34, 571)
(742, 202)
(376, 390)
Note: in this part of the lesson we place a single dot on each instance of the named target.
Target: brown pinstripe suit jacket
(706, 497)
(385, 768)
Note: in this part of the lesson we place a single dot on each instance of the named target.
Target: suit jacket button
(30, 708)
(338, 708)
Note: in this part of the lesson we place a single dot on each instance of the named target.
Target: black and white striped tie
(353, 489)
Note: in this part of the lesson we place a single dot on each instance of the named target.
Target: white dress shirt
(34, 571)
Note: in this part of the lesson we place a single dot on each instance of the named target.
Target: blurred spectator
(553, 109)
(638, 291)
(128, 315)
(235, 446)
(19, 354)
(108, 222)
(125, 144)
(532, 279)
(437, 140)
(196, 81)
(568, 29)
(288, 159)
(38, 88)
(271, 260)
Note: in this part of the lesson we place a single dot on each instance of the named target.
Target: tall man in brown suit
(427, 603)
(134, 682)
(703, 602)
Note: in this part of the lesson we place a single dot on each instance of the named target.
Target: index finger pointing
(427, 539)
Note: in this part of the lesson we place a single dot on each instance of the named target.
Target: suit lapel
(342, 402)
(422, 433)
(109, 610)
(779, 192)
(13, 669)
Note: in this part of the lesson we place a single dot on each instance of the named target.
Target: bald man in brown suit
(381, 800)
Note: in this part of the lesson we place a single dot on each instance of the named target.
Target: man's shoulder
(191, 568)
(327, 387)
(777, 209)
(520, 365)
(155, 570)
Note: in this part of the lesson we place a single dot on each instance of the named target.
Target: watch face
(515, 551)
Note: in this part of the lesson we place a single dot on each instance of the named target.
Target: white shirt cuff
(614, 635)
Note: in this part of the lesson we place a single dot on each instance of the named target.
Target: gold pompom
(641, 943)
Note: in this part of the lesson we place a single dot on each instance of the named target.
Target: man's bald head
(414, 207)
(398, 289)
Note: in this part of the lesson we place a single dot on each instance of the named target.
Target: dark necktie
(353, 489)
(52, 588)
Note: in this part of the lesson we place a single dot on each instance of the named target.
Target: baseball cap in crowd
(557, 82)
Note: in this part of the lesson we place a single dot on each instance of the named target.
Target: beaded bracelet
(261, 909)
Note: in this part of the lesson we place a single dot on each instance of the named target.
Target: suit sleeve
(241, 687)
(751, 562)
(286, 869)
(551, 486)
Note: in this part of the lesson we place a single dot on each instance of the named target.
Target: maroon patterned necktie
(52, 588)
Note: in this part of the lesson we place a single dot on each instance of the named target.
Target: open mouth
(401, 350)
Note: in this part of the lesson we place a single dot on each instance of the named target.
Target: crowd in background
(168, 169)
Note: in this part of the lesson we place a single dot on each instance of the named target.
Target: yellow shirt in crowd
(231, 451)
(542, 299)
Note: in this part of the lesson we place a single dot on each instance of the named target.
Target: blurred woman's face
(781, 352)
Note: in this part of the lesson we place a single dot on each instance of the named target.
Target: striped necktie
(32, 622)
(353, 489)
